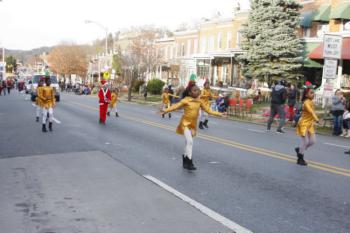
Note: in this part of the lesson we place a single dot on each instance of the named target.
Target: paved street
(244, 174)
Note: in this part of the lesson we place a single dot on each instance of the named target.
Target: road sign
(330, 69)
(106, 75)
(332, 46)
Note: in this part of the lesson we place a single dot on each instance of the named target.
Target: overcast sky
(28, 24)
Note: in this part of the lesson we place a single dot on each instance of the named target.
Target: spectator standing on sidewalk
(278, 99)
(346, 122)
(292, 99)
(338, 106)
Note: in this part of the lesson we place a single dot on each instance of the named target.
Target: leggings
(45, 111)
(307, 142)
(189, 143)
(37, 111)
(203, 115)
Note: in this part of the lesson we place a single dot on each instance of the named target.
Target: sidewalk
(90, 192)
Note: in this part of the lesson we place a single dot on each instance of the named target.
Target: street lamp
(101, 26)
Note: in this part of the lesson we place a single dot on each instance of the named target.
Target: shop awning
(317, 53)
(306, 18)
(308, 47)
(342, 11)
(322, 14)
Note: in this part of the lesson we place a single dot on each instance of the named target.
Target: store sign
(328, 89)
(330, 69)
(332, 46)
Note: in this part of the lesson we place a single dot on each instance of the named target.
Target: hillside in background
(24, 55)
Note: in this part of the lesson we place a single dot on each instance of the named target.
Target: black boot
(184, 162)
(37, 119)
(108, 114)
(301, 160)
(190, 165)
(163, 115)
(44, 128)
(201, 125)
(169, 115)
(116, 114)
(347, 152)
(205, 124)
(50, 126)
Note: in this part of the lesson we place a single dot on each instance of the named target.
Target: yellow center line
(257, 150)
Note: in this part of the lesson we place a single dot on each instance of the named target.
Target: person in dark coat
(292, 99)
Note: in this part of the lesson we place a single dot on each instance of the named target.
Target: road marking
(214, 162)
(331, 144)
(57, 121)
(245, 147)
(205, 210)
(256, 131)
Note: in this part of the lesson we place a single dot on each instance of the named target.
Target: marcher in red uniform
(104, 96)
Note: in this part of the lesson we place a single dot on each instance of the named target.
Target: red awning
(317, 53)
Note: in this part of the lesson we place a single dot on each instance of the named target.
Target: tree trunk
(131, 84)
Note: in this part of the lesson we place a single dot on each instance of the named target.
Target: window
(204, 44)
(219, 40)
(195, 46)
(229, 40)
(306, 32)
(322, 29)
(346, 25)
(171, 52)
(211, 43)
(238, 39)
(166, 53)
(189, 47)
(182, 49)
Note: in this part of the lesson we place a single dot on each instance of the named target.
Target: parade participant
(305, 127)
(166, 100)
(38, 102)
(47, 97)
(113, 103)
(205, 96)
(104, 96)
(188, 124)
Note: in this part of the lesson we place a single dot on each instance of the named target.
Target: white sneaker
(347, 135)
(344, 134)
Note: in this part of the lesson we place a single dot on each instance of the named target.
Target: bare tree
(141, 57)
(68, 59)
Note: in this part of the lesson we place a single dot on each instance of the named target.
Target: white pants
(203, 115)
(45, 111)
(111, 110)
(37, 111)
(189, 143)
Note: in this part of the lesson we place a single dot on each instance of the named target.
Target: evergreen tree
(272, 48)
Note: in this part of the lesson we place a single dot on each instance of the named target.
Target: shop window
(306, 32)
(346, 25)
(322, 29)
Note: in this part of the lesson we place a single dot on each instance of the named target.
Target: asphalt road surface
(244, 173)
